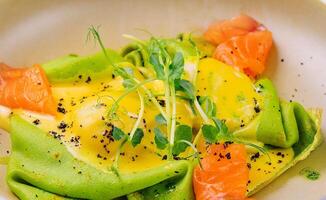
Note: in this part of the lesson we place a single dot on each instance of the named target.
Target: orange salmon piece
(224, 175)
(26, 88)
(248, 53)
(219, 32)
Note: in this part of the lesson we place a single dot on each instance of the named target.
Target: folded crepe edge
(316, 114)
(21, 187)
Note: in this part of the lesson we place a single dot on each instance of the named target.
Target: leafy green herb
(158, 67)
(182, 132)
(128, 83)
(186, 87)
(218, 132)
(160, 140)
(137, 137)
(117, 133)
(115, 106)
(196, 154)
(154, 46)
(115, 165)
(221, 125)
(160, 119)
(208, 106)
(210, 133)
(176, 67)
(310, 173)
(125, 73)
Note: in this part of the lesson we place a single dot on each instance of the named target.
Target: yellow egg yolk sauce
(233, 92)
(83, 125)
(263, 167)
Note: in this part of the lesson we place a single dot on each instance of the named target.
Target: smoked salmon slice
(219, 32)
(26, 88)
(248, 53)
(224, 175)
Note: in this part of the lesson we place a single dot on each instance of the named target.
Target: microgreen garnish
(158, 67)
(120, 70)
(160, 119)
(160, 140)
(186, 87)
(208, 106)
(129, 90)
(223, 129)
(136, 133)
(137, 137)
(210, 133)
(176, 67)
(168, 68)
(117, 133)
(182, 132)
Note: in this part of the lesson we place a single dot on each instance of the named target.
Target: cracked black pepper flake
(72, 103)
(257, 109)
(88, 80)
(165, 157)
(61, 110)
(249, 165)
(36, 122)
(55, 135)
(228, 156)
(220, 155)
(161, 102)
(75, 140)
(62, 125)
(255, 156)
(176, 157)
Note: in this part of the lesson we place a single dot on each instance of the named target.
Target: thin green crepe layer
(279, 123)
(138, 55)
(316, 115)
(283, 124)
(96, 66)
(70, 67)
(179, 188)
(40, 164)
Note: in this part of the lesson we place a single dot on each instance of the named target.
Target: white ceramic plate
(36, 31)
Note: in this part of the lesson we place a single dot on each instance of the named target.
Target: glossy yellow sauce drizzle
(232, 91)
(263, 169)
(87, 105)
